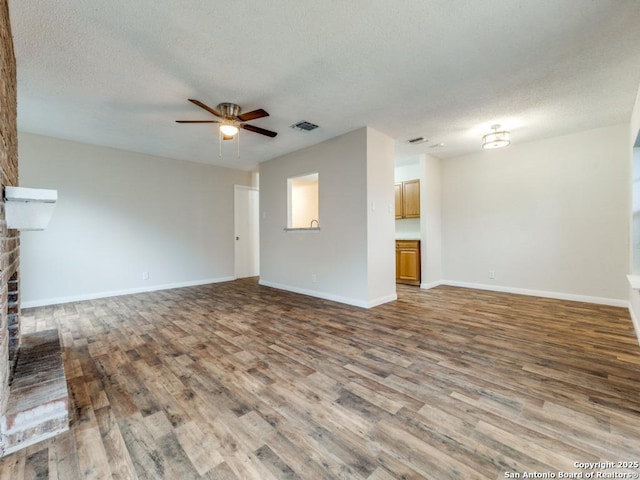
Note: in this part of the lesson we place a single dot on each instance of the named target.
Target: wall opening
(302, 201)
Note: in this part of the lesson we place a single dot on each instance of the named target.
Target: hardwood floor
(237, 381)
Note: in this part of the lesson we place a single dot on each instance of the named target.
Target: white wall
(549, 217)
(403, 173)
(330, 263)
(431, 221)
(381, 264)
(120, 214)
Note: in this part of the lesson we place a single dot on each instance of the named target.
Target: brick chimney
(9, 239)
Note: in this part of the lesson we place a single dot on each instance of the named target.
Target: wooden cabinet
(408, 262)
(399, 208)
(411, 198)
(407, 199)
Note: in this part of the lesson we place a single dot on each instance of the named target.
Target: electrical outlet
(145, 275)
(492, 274)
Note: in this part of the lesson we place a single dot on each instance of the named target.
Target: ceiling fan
(232, 119)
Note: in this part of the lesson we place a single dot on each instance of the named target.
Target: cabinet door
(398, 192)
(408, 262)
(411, 198)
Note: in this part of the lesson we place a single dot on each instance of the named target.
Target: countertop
(408, 236)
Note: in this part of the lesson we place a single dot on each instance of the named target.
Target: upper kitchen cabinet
(399, 207)
(408, 199)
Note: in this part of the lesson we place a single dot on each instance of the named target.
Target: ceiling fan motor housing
(228, 109)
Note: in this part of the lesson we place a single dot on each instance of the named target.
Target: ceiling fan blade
(197, 121)
(206, 107)
(245, 117)
(259, 130)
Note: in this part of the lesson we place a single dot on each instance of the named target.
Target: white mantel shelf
(634, 280)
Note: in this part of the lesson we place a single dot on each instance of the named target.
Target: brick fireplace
(9, 239)
(34, 399)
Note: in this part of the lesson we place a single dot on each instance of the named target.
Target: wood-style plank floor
(238, 381)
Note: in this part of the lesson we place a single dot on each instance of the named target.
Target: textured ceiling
(118, 73)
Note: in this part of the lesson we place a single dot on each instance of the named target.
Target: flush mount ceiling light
(496, 139)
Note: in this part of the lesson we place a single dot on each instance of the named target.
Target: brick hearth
(39, 401)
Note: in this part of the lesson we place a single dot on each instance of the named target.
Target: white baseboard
(328, 296)
(381, 300)
(117, 293)
(337, 298)
(613, 302)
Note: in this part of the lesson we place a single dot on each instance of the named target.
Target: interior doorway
(247, 231)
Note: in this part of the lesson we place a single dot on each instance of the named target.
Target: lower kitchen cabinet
(408, 262)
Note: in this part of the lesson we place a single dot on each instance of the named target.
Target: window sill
(302, 230)
(634, 281)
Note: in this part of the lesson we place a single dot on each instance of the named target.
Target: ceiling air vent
(417, 140)
(304, 126)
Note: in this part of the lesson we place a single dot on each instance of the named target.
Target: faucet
(317, 223)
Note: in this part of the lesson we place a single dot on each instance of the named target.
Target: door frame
(238, 216)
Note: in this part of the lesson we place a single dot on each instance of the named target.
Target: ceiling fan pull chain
(238, 143)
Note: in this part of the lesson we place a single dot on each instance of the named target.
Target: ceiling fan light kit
(496, 139)
(228, 130)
